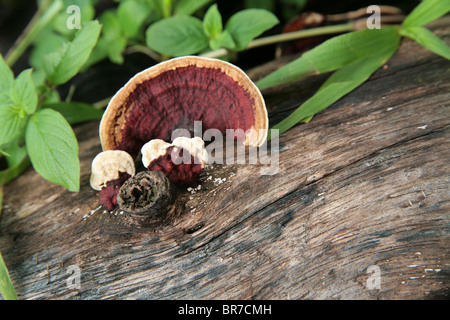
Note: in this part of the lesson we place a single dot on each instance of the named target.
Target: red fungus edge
(108, 195)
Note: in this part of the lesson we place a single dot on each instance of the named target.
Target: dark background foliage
(105, 78)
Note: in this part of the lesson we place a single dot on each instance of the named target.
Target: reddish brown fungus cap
(175, 93)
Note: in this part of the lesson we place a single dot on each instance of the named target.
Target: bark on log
(365, 183)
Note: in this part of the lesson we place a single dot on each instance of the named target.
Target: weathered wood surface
(365, 183)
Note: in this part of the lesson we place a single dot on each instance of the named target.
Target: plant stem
(41, 18)
(102, 103)
(166, 8)
(143, 49)
(339, 28)
(10, 173)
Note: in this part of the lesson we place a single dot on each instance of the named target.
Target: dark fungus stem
(148, 194)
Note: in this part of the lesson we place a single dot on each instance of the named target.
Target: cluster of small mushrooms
(142, 115)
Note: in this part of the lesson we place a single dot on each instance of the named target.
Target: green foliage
(177, 36)
(189, 7)
(170, 28)
(6, 288)
(18, 99)
(165, 26)
(43, 131)
(6, 80)
(62, 65)
(339, 84)
(113, 41)
(59, 23)
(125, 25)
(183, 35)
(425, 12)
(49, 140)
(53, 148)
(12, 122)
(427, 39)
(246, 25)
(14, 170)
(332, 54)
(23, 92)
(212, 22)
(75, 112)
(355, 56)
(131, 16)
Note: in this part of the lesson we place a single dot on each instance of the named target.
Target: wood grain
(366, 182)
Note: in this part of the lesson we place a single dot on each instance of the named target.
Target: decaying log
(365, 183)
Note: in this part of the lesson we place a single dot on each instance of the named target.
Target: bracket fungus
(109, 170)
(181, 161)
(173, 94)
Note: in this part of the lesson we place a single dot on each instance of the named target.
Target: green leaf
(5, 98)
(16, 156)
(177, 36)
(12, 123)
(189, 7)
(62, 65)
(112, 41)
(6, 286)
(212, 22)
(131, 15)
(47, 42)
(333, 54)
(338, 85)
(14, 171)
(87, 13)
(111, 28)
(115, 41)
(425, 12)
(53, 149)
(224, 40)
(101, 51)
(15, 153)
(115, 50)
(24, 93)
(7, 76)
(247, 24)
(76, 112)
(6, 82)
(427, 39)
